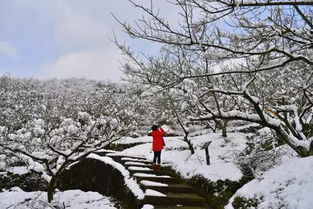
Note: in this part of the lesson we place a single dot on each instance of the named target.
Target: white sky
(71, 38)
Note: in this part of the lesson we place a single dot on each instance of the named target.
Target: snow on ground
(71, 199)
(288, 186)
(222, 151)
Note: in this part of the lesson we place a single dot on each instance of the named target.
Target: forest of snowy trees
(49, 125)
(52, 124)
(227, 62)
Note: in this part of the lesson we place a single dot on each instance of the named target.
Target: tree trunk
(51, 188)
(192, 150)
(311, 149)
(224, 128)
(301, 151)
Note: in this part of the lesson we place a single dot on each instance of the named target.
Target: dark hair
(154, 128)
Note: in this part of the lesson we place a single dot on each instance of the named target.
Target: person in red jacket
(157, 145)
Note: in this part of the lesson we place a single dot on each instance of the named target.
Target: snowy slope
(179, 157)
(288, 186)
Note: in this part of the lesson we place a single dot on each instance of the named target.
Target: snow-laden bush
(288, 186)
(263, 152)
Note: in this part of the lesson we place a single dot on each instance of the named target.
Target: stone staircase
(163, 191)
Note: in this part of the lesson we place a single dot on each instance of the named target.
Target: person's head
(154, 128)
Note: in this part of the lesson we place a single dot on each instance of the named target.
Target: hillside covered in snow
(49, 126)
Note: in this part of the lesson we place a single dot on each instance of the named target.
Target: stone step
(122, 159)
(134, 157)
(175, 199)
(144, 170)
(178, 195)
(131, 163)
(127, 159)
(116, 156)
(158, 178)
(176, 207)
(170, 188)
(140, 164)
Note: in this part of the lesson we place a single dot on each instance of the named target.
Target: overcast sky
(65, 38)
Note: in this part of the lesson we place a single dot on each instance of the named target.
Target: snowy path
(161, 190)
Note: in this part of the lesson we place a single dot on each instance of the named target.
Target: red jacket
(158, 141)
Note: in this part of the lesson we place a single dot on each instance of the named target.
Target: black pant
(157, 156)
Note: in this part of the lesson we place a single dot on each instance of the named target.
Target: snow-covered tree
(170, 107)
(250, 60)
(53, 124)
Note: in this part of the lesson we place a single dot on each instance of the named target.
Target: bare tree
(252, 61)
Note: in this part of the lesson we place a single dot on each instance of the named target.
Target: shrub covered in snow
(286, 186)
(262, 153)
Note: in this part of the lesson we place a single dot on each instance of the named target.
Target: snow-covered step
(146, 170)
(159, 178)
(132, 163)
(133, 169)
(124, 159)
(150, 175)
(137, 164)
(152, 183)
(175, 199)
(178, 206)
(120, 155)
(127, 159)
(135, 158)
(141, 167)
(169, 188)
